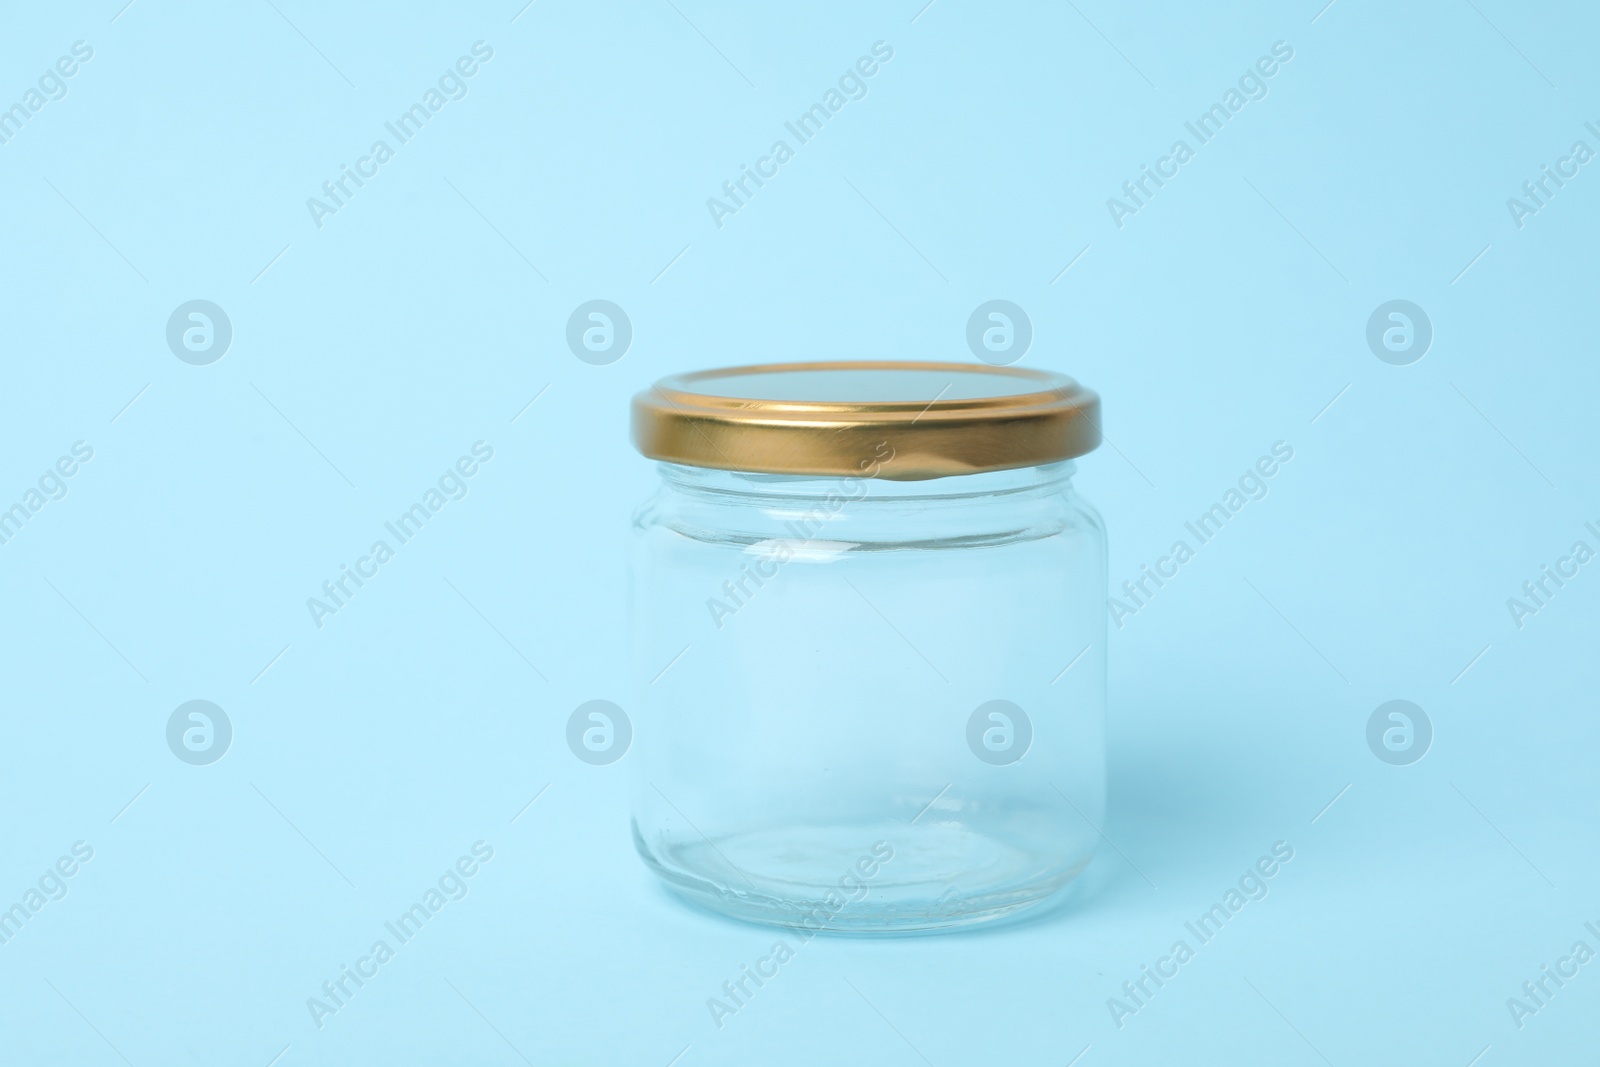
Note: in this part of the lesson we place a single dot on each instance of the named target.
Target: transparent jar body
(868, 705)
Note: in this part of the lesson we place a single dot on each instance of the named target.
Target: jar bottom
(865, 878)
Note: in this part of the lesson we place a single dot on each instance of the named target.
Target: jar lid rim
(901, 419)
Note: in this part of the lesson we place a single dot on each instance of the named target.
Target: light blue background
(370, 353)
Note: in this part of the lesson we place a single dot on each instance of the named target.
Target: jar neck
(731, 486)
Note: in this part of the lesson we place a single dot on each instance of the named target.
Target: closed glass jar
(868, 643)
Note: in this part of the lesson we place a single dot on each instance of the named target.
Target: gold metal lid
(899, 420)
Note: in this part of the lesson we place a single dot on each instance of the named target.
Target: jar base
(863, 879)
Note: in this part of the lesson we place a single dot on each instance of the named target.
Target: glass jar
(868, 643)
